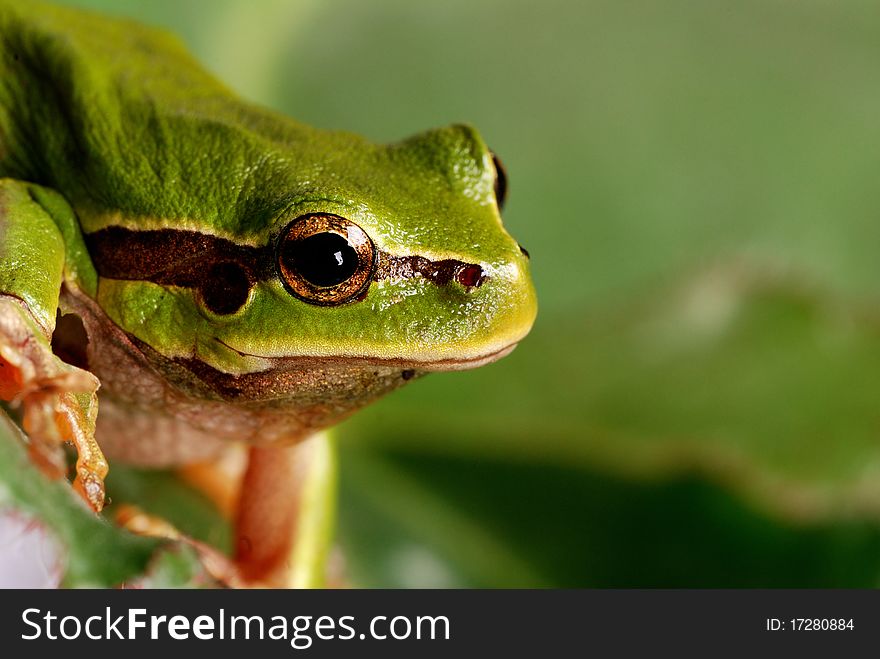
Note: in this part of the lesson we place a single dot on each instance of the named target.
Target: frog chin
(163, 411)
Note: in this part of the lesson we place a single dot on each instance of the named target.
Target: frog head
(354, 253)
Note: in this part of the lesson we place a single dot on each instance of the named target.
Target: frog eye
(500, 182)
(325, 259)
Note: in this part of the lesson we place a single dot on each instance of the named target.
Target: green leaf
(414, 520)
(94, 552)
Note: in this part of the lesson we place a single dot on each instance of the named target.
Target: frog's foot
(218, 566)
(58, 402)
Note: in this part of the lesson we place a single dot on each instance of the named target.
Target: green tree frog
(222, 272)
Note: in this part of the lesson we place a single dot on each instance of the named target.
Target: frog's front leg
(285, 514)
(58, 401)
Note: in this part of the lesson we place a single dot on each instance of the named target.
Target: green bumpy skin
(131, 132)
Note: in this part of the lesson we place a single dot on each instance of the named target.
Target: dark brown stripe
(184, 258)
(171, 257)
(437, 272)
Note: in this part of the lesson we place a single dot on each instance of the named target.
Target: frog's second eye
(500, 182)
(325, 259)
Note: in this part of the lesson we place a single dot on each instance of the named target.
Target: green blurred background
(697, 184)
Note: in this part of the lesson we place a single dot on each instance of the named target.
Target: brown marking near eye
(226, 288)
(188, 259)
(470, 276)
(440, 273)
(172, 257)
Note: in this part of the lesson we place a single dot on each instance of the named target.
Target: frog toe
(57, 402)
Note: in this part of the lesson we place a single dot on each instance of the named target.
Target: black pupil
(323, 259)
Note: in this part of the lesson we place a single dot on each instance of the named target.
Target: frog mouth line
(285, 376)
(452, 364)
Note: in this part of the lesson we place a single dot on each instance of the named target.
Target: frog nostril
(470, 276)
(524, 251)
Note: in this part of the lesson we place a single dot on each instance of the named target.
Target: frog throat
(172, 257)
